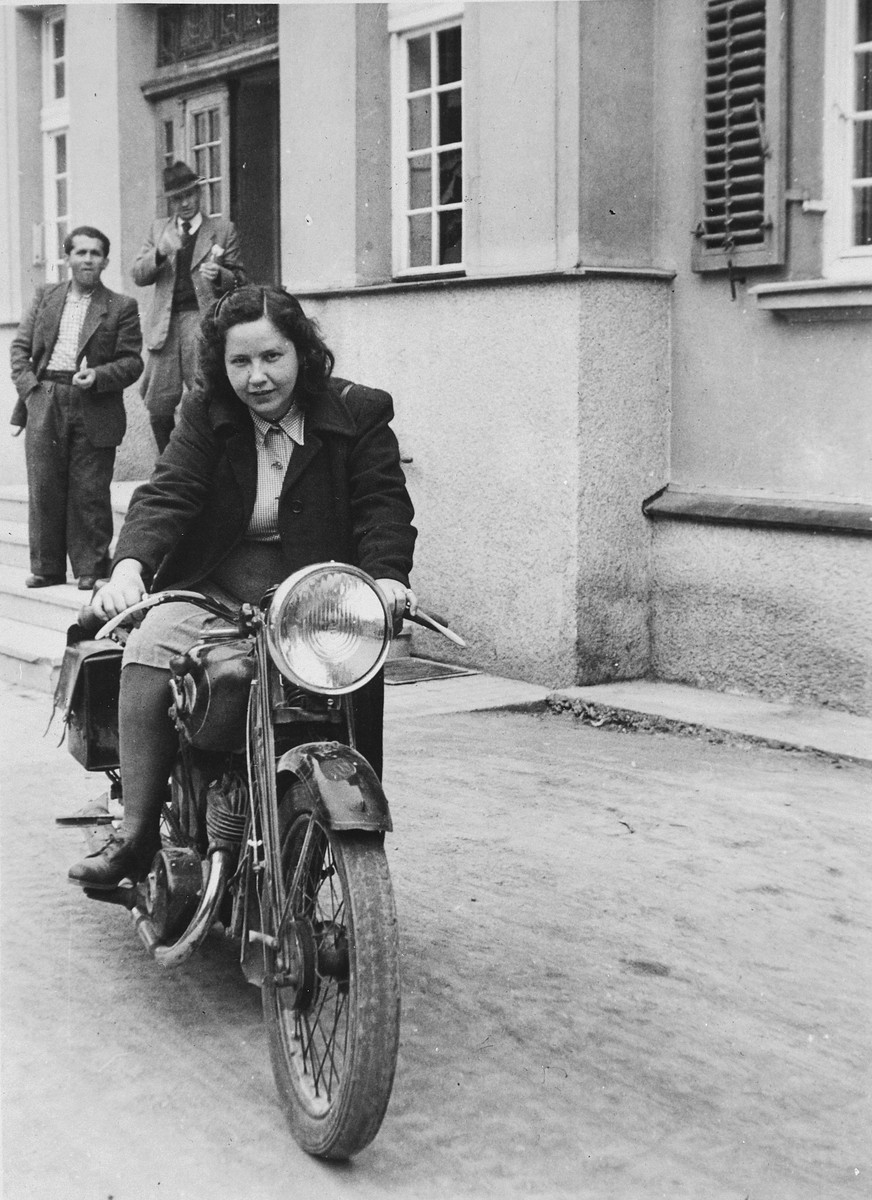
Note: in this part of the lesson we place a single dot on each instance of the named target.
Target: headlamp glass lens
(328, 628)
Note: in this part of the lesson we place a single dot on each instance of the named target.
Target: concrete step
(13, 501)
(52, 608)
(30, 656)
(14, 551)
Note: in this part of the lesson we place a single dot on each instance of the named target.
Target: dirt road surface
(634, 966)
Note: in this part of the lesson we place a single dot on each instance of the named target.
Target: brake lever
(422, 618)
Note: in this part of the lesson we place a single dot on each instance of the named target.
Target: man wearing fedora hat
(191, 259)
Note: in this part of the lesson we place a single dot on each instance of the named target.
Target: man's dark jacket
(344, 495)
(111, 340)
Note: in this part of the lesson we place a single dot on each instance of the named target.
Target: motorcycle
(273, 827)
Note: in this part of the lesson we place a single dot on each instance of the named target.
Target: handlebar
(92, 623)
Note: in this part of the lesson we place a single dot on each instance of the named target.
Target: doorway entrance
(229, 134)
(254, 171)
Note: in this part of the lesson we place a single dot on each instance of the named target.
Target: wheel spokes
(321, 1029)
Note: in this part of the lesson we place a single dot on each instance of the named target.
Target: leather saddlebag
(87, 694)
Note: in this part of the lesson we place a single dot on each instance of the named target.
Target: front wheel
(331, 992)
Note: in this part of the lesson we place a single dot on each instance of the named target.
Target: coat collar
(206, 238)
(54, 307)
(328, 414)
(97, 310)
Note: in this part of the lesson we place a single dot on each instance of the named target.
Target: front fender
(341, 785)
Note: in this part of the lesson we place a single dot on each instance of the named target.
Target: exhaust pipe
(201, 922)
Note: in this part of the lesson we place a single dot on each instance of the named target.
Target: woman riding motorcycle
(273, 465)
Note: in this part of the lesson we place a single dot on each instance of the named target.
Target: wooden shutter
(741, 207)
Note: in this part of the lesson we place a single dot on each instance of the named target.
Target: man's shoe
(87, 583)
(34, 581)
(104, 870)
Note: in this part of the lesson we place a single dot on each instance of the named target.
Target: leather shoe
(104, 870)
(34, 581)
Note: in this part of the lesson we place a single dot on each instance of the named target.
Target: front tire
(331, 992)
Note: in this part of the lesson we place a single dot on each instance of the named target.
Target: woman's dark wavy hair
(250, 303)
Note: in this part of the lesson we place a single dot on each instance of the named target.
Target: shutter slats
(733, 183)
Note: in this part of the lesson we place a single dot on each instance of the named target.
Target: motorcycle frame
(343, 792)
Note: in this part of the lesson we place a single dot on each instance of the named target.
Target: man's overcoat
(214, 233)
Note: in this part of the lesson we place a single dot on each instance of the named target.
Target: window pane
(863, 150)
(863, 217)
(420, 194)
(199, 128)
(864, 21)
(214, 125)
(419, 63)
(61, 154)
(169, 139)
(58, 39)
(61, 236)
(61, 189)
(215, 198)
(60, 81)
(451, 177)
(201, 163)
(214, 162)
(864, 82)
(450, 122)
(420, 241)
(419, 123)
(451, 237)
(449, 54)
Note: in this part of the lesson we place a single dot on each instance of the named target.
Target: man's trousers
(168, 372)
(68, 478)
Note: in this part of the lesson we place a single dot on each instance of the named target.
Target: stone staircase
(34, 621)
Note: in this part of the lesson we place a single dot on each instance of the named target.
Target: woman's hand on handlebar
(399, 597)
(124, 587)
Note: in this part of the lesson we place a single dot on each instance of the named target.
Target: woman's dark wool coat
(344, 498)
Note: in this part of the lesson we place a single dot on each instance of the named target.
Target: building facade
(613, 259)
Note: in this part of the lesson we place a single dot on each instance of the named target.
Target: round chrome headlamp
(328, 628)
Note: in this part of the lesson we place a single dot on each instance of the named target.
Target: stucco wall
(785, 614)
(757, 404)
(760, 407)
(527, 410)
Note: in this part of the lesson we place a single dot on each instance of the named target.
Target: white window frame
(54, 122)
(407, 21)
(841, 259)
(194, 106)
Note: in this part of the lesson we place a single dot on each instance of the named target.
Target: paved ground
(635, 966)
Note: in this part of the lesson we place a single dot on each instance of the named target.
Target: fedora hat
(179, 178)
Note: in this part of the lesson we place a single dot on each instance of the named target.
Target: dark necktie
(186, 232)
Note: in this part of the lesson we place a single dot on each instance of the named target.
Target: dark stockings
(147, 743)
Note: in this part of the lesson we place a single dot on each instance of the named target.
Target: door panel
(256, 159)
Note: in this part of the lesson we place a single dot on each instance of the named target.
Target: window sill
(406, 283)
(764, 512)
(816, 300)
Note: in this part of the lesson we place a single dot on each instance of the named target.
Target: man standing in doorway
(191, 259)
(75, 351)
